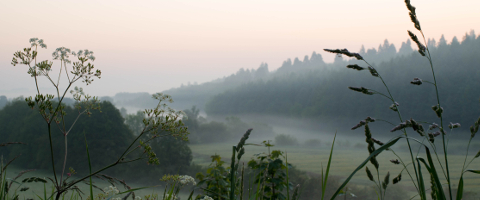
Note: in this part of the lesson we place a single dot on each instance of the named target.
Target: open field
(346, 159)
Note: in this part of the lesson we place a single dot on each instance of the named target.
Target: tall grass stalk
(436, 187)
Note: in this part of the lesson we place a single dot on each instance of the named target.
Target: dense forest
(324, 94)
(107, 135)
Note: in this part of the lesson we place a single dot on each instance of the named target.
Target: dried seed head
(373, 71)
(369, 119)
(433, 126)
(478, 154)
(421, 47)
(438, 110)
(369, 174)
(415, 21)
(360, 124)
(395, 161)
(361, 89)
(397, 179)
(401, 126)
(452, 126)
(243, 139)
(386, 180)
(431, 137)
(472, 131)
(409, 6)
(393, 107)
(416, 81)
(344, 52)
(377, 141)
(413, 15)
(355, 66)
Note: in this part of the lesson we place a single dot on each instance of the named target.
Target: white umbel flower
(110, 190)
(185, 179)
(207, 198)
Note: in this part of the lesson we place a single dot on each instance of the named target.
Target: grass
(38, 188)
(345, 160)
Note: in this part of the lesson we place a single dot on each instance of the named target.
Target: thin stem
(380, 185)
(78, 116)
(441, 117)
(376, 92)
(60, 73)
(400, 117)
(51, 154)
(405, 168)
(64, 159)
(386, 121)
(466, 155)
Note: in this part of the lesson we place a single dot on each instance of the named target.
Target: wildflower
(185, 179)
(138, 198)
(207, 198)
(111, 190)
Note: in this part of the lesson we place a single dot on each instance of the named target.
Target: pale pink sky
(152, 45)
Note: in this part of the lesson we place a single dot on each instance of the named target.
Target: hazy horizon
(155, 46)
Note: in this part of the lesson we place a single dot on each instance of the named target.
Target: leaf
(473, 171)
(375, 153)
(324, 185)
(421, 184)
(460, 189)
(433, 172)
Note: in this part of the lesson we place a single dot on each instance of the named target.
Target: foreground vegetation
(267, 175)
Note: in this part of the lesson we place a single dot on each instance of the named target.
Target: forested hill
(325, 94)
(199, 94)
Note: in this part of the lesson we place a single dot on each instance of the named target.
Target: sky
(154, 45)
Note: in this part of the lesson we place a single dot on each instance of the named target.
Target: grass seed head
(369, 119)
(361, 89)
(452, 126)
(345, 52)
(386, 180)
(360, 124)
(416, 81)
(356, 67)
(373, 71)
(438, 110)
(377, 141)
(395, 161)
(369, 174)
(421, 47)
(397, 179)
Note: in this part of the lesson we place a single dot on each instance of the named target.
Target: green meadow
(345, 160)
